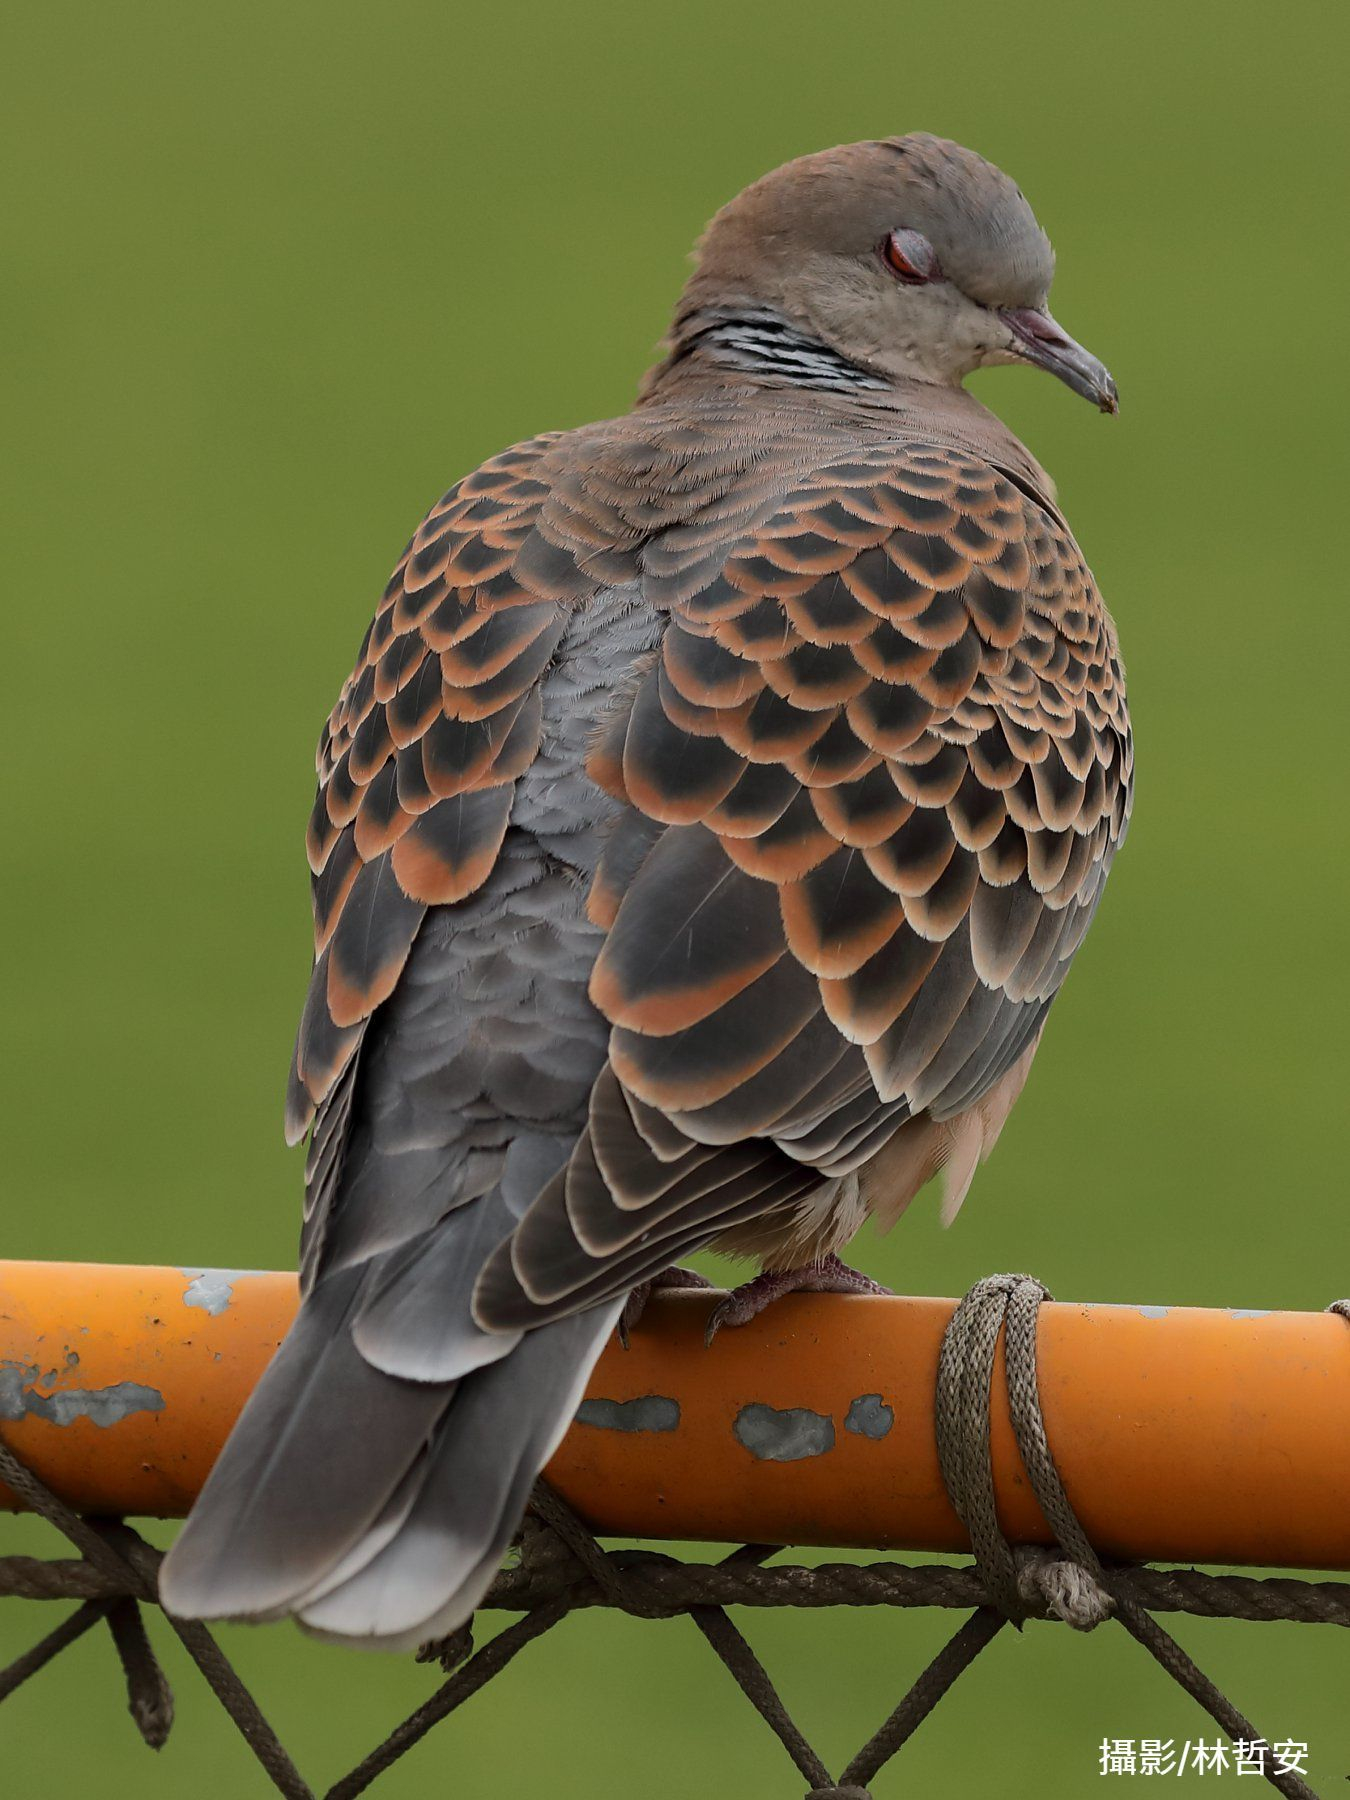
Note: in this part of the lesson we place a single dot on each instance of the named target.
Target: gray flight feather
(504, 1424)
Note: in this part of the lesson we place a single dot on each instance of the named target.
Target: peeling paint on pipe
(649, 1412)
(787, 1434)
(212, 1289)
(19, 1398)
(869, 1416)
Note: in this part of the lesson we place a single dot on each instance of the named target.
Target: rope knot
(556, 1524)
(839, 1793)
(1047, 1582)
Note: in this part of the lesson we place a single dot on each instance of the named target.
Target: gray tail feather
(372, 1507)
(503, 1424)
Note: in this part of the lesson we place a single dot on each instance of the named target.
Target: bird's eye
(909, 255)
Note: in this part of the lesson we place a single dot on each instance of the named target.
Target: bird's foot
(450, 1651)
(636, 1303)
(829, 1276)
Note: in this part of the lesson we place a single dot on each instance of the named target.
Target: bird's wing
(873, 783)
(417, 765)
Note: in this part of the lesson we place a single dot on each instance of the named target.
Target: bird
(717, 803)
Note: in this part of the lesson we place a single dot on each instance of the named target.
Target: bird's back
(715, 808)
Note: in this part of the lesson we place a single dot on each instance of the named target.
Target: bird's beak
(1041, 341)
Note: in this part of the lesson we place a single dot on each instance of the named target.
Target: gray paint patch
(649, 1412)
(1248, 1312)
(786, 1435)
(1154, 1312)
(19, 1398)
(869, 1416)
(212, 1289)
(12, 1398)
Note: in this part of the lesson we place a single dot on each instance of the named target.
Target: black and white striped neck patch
(763, 344)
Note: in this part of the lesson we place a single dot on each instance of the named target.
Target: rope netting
(561, 1568)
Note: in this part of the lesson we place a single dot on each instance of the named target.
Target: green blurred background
(276, 275)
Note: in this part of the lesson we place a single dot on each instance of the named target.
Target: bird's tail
(373, 1507)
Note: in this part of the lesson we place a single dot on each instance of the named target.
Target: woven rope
(562, 1569)
(651, 1586)
(1080, 1589)
(129, 1565)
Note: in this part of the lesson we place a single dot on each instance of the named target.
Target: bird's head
(911, 257)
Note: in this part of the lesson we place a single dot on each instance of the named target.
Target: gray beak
(1041, 341)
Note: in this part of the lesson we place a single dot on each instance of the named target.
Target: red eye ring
(909, 255)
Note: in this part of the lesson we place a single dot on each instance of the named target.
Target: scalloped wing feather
(874, 780)
(418, 758)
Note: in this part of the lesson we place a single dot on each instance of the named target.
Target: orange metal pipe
(1181, 1434)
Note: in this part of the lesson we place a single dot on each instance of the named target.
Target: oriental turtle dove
(716, 806)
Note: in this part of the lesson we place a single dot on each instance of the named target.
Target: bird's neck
(754, 345)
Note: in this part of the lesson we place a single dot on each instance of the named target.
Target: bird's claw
(829, 1276)
(669, 1279)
